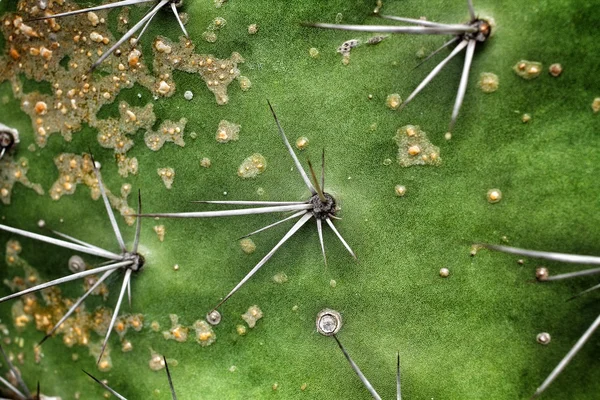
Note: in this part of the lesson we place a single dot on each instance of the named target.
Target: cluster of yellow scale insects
(74, 170)
(252, 166)
(414, 148)
(12, 171)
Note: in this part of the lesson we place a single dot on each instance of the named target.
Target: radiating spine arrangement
(128, 261)
(467, 35)
(141, 24)
(321, 206)
(542, 277)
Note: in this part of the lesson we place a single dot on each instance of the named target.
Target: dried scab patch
(247, 245)
(302, 143)
(210, 35)
(157, 362)
(169, 131)
(113, 133)
(105, 362)
(252, 316)
(241, 330)
(488, 82)
(205, 162)
(204, 333)
(217, 73)
(127, 165)
(414, 148)
(596, 105)
(555, 70)
(252, 29)
(15, 171)
(177, 332)
(528, 69)
(400, 190)
(73, 170)
(160, 232)
(252, 166)
(227, 132)
(167, 175)
(245, 83)
(494, 196)
(280, 278)
(393, 101)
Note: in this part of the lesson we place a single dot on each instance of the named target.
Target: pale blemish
(414, 148)
(204, 333)
(555, 70)
(169, 131)
(15, 171)
(393, 101)
(302, 143)
(528, 69)
(160, 232)
(488, 82)
(205, 162)
(245, 83)
(156, 362)
(252, 316)
(178, 332)
(494, 196)
(227, 132)
(596, 105)
(280, 278)
(400, 190)
(167, 175)
(247, 245)
(210, 35)
(252, 166)
(73, 170)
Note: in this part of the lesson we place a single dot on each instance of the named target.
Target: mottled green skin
(470, 336)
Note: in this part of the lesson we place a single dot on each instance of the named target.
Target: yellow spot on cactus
(252, 316)
(528, 69)
(204, 333)
(596, 105)
(488, 82)
(555, 70)
(227, 131)
(205, 162)
(156, 362)
(302, 143)
(177, 332)
(494, 195)
(414, 148)
(241, 330)
(280, 278)
(247, 245)
(393, 101)
(160, 232)
(252, 166)
(167, 175)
